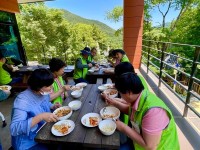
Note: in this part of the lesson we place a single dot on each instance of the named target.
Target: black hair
(56, 64)
(115, 51)
(110, 53)
(93, 49)
(129, 82)
(123, 67)
(40, 78)
(87, 49)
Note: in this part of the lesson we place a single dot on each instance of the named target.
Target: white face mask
(44, 93)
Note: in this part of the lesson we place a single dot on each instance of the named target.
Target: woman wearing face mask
(32, 108)
(58, 93)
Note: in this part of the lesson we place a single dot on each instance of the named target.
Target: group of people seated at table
(148, 121)
(85, 61)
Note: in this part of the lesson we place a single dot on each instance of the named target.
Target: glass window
(10, 43)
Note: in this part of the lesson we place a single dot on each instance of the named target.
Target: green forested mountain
(72, 18)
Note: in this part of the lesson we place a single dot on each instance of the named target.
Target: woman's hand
(49, 117)
(56, 105)
(120, 125)
(108, 100)
(67, 87)
(90, 65)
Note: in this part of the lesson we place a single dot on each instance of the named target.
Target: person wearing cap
(81, 66)
(120, 55)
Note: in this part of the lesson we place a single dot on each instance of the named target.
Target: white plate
(5, 87)
(85, 119)
(110, 112)
(69, 123)
(82, 84)
(66, 116)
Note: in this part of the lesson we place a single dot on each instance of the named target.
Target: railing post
(148, 57)
(161, 63)
(191, 80)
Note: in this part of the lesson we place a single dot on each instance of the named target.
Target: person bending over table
(5, 70)
(112, 59)
(153, 125)
(31, 109)
(81, 67)
(120, 55)
(58, 93)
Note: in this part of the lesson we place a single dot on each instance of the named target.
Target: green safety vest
(5, 77)
(169, 137)
(80, 73)
(56, 89)
(144, 82)
(90, 58)
(124, 59)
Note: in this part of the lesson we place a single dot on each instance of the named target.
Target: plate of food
(110, 112)
(112, 93)
(63, 113)
(76, 88)
(91, 119)
(82, 84)
(5, 87)
(63, 127)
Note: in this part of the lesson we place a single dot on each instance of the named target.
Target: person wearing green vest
(81, 67)
(93, 54)
(120, 55)
(5, 70)
(59, 88)
(153, 125)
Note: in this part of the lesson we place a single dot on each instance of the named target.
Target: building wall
(133, 28)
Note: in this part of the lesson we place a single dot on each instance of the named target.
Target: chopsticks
(41, 127)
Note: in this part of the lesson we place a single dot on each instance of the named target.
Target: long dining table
(92, 77)
(81, 136)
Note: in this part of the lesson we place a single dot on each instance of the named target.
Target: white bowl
(112, 93)
(91, 71)
(82, 84)
(76, 88)
(76, 94)
(107, 127)
(110, 112)
(75, 105)
(64, 117)
(102, 88)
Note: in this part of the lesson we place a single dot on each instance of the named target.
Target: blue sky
(90, 9)
(96, 10)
